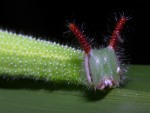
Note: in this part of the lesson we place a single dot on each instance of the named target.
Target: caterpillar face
(103, 68)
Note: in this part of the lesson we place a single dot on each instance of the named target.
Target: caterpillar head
(101, 65)
(102, 68)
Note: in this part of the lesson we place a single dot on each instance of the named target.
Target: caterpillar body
(23, 56)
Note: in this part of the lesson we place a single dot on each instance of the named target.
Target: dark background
(48, 19)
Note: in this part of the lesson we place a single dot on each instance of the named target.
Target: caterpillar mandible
(24, 56)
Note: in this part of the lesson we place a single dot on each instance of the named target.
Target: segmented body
(23, 56)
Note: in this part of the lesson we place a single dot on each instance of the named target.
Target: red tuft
(82, 39)
(116, 32)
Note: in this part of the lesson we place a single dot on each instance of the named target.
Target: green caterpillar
(24, 56)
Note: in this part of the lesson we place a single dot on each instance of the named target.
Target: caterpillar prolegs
(24, 56)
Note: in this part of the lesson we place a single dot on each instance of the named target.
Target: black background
(48, 19)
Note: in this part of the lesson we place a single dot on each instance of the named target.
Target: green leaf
(30, 96)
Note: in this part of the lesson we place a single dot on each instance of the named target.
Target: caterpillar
(25, 56)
